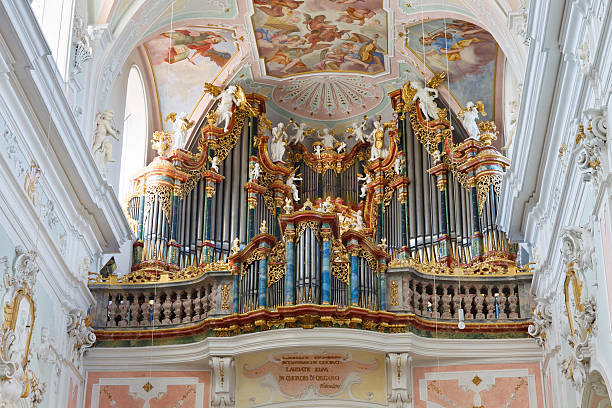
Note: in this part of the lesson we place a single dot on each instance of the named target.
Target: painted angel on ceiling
(195, 46)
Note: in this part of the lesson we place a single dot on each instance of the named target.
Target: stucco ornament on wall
(591, 144)
(18, 383)
(580, 307)
(542, 320)
(80, 334)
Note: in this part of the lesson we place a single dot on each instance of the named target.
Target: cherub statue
(469, 116)
(179, 129)
(102, 149)
(327, 206)
(214, 164)
(341, 147)
(264, 227)
(291, 184)
(358, 131)
(236, 246)
(278, 142)
(228, 97)
(367, 179)
(301, 132)
(426, 100)
(398, 166)
(328, 138)
(254, 171)
(288, 207)
(317, 150)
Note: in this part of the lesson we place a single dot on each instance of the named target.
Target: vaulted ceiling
(325, 62)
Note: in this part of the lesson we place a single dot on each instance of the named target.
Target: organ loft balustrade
(253, 228)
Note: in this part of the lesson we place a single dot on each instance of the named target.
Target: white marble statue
(341, 147)
(288, 207)
(327, 206)
(367, 179)
(179, 128)
(291, 184)
(327, 138)
(398, 166)
(426, 100)
(102, 149)
(469, 116)
(254, 171)
(236, 246)
(224, 109)
(317, 150)
(359, 220)
(358, 132)
(214, 164)
(278, 142)
(377, 139)
(300, 132)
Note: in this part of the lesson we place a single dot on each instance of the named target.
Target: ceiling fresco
(183, 59)
(464, 50)
(310, 36)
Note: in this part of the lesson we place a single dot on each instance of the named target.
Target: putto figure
(367, 179)
(291, 184)
(254, 171)
(469, 116)
(426, 97)
(300, 132)
(102, 149)
(358, 131)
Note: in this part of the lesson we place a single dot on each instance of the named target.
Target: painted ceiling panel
(183, 59)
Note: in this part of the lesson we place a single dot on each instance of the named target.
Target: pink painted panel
(606, 246)
(170, 389)
(503, 385)
(73, 394)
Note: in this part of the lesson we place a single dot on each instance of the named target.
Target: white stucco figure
(214, 164)
(236, 246)
(426, 100)
(328, 139)
(317, 150)
(377, 139)
(179, 129)
(341, 147)
(288, 207)
(291, 184)
(367, 179)
(359, 220)
(398, 166)
(102, 149)
(224, 109)
(254, 171)
(278, 142)
(327, 206)
(300, 132)
(358, 132)
(469, 116)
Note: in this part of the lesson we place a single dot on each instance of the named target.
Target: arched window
(134, 150)
(55, 19)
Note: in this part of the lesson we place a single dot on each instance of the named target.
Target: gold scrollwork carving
(394, 294)
(225, 290)
(313, 225)
(339, 262)
(277, 267)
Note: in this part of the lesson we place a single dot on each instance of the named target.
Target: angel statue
(291, 184)
(358, 131)
(300, 132)
(236, 246)
(179, 128)
(341, 147)
(278, 142)
(328, 138)
(233, 94)
(426, 100)
(367, 179)
(469, 116)
(102, 149)
(398, 165)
